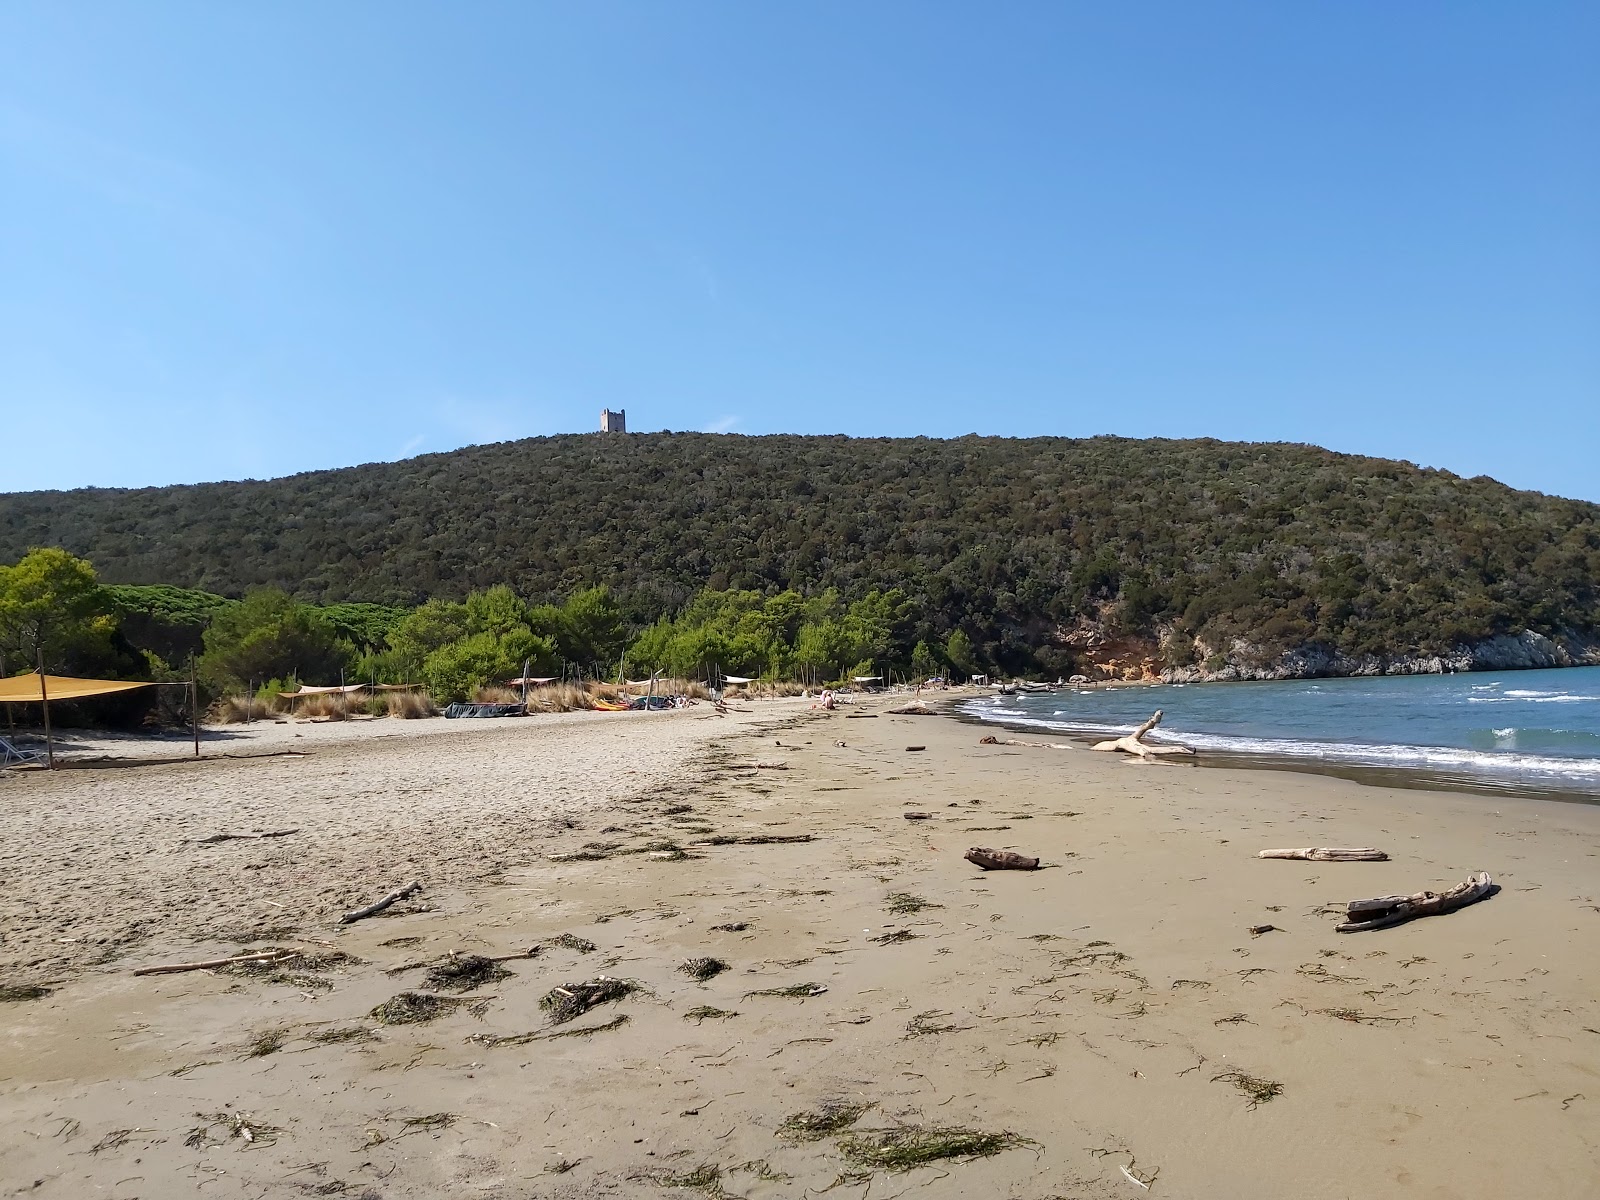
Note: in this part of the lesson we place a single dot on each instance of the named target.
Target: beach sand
(1110, 1015)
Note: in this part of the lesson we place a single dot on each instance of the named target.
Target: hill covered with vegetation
(1035, 554)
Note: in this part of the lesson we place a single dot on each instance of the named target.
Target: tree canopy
(999, 552)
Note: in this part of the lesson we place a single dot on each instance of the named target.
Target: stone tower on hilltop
(613, 422)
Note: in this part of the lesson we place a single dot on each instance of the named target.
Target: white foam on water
(1486, 763)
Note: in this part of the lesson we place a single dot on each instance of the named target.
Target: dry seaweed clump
(904, 904)
(827, 1119)
(795, 991)
(702, 969)
(707, 1178)
(344, 1033)
(268, 1041)
(572, 1000)
(465, 973)
(571, 941)
(16, 992)
(417, 1008)
(1259, 1090)
(705, 1012)
(909, 1146)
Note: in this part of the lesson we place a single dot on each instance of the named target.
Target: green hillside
(1216, 549)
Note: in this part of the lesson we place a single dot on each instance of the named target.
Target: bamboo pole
(11, 724)
(44, 707)
(194, 706)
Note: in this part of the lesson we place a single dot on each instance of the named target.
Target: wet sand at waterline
(1109, 1016)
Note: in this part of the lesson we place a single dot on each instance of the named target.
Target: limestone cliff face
(1508, 652)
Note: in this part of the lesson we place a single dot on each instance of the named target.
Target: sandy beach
(1104, 1027)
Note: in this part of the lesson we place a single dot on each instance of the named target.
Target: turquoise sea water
(1532, 731)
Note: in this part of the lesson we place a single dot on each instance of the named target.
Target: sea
(1524, 732)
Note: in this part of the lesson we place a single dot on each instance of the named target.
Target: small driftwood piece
(914, 749)
(917, 816)
(1328, 854)
(1134, 742)
(211, 964)
(771, 764)
(231, 837)
(373, 910)
(1385, 911)
(996, 741)
(1000, 860)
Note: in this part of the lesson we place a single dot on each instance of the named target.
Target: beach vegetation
(904, 555)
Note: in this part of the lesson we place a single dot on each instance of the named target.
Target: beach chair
(12, 756)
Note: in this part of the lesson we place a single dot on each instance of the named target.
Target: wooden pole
(44, 707)
(194, 706)
(11, 724)
(525, 663)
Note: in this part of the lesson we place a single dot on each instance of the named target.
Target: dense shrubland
(805, 558)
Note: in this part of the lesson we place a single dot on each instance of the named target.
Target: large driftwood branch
(1328, 854)
(1134, 742)
(372, 910)
(1385, 911)
(1000, 860)
(211, 964)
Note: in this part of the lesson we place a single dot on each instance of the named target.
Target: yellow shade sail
(24, 689)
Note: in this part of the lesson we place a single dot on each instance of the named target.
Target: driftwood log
(915, 709)
(1134, 742)
(1000, 860)
(770, 764)
(917, 816)
(996, 741)
(211, 964)
(373, 910)
(231, 837)
(1385, 911)
(1328, 854)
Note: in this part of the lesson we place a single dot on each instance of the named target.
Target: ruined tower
(613, 422)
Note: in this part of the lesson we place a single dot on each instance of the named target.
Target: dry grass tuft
(237, 710)
(409, 706)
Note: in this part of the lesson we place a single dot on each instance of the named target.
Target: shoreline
(1100, 1018)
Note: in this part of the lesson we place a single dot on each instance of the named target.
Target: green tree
(51, 601)
(436, 624)
(269, 635)
(959, 650)
(592, 626)
(457, 670)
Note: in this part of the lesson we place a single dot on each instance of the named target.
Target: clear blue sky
(249, 239)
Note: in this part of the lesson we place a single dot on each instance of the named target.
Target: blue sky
(246, 240)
